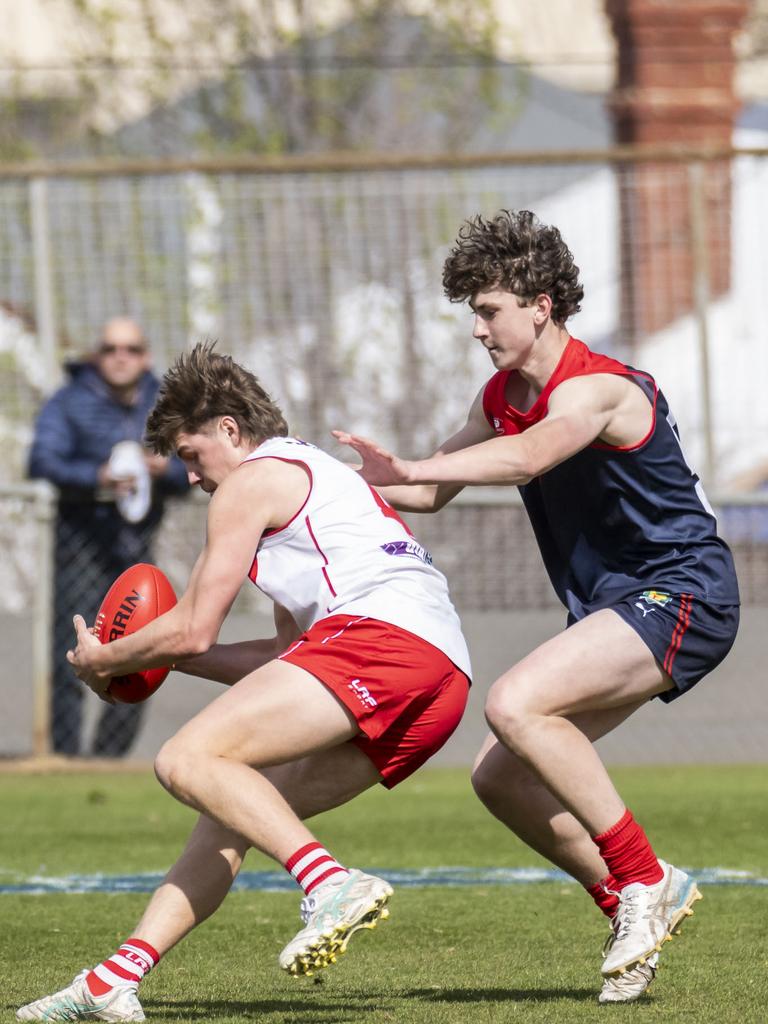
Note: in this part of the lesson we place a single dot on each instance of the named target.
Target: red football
(136, 597)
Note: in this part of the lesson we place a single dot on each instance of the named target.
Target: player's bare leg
(278, 714)
(200, 879)
(598, 664)
(275, 715)
(515, 795)
(194, 887)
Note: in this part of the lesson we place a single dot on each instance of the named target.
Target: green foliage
(254, 76)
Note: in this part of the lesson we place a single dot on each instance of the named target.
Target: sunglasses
(108, 349)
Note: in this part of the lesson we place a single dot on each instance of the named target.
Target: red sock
(312, 865)
(604, 895)
(125, 967)
(628, 854)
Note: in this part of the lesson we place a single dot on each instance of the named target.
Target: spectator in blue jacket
(111, 496)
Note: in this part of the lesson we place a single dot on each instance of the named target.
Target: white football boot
(629, 986)
(647, 916)
(332, 914)
(76, 1002)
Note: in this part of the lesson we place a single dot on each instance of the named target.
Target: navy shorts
(687, 636)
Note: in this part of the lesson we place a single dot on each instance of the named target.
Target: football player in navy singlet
(631, 547)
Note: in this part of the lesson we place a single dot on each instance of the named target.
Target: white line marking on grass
(278, 881)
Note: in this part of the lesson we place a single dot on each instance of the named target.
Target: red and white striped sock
(125, 967)
(312, 865)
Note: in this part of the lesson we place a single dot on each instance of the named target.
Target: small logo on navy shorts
(650, 599)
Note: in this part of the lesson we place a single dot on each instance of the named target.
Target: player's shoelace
(629, 911)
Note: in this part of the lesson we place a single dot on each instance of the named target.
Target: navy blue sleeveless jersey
(612, 522)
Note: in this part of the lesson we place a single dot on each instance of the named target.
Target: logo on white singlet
(407, 547)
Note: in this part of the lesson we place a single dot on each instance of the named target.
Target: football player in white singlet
(366, 639)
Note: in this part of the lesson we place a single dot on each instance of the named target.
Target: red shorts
(406, 695)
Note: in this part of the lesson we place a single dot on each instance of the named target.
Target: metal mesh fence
(326, 282)
(83, 571)
(482, 541)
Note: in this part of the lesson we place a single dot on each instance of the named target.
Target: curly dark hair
(515, 251)
(202, 385)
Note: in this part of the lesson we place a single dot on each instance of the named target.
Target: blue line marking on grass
(278, 881)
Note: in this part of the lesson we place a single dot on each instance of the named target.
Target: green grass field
(478, 953)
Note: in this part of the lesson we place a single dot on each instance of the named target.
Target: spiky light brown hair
(202, 385)
(514, 251)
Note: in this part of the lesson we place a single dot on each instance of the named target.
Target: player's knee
(175, 768)
(507, 715)
(488, 785)
(500, 786)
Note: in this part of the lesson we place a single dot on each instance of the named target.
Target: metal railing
(323, 274)
(482, 541)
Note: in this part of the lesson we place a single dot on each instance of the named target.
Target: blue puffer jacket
(77, 429)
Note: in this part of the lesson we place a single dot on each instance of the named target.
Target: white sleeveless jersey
(347, 552)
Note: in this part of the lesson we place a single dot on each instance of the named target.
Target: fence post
(45, 306)
(44, 510)
(700, 272)
(204, 243)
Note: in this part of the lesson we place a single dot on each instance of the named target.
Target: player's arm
(229, 663)
(271, 491)
(423, 497)
(580, 410)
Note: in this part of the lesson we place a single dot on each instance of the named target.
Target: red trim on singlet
(293, 462)
(254, 569)
(638, 444)
(576, 360)
(322, 555)
(496, 387)
(387, 510)
(683, 621)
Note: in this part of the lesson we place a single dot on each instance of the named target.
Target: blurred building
(72, 84)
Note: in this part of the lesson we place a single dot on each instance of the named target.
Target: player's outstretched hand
(79, 659)
(379, 467)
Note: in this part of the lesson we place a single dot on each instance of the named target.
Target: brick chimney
(675, 84)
